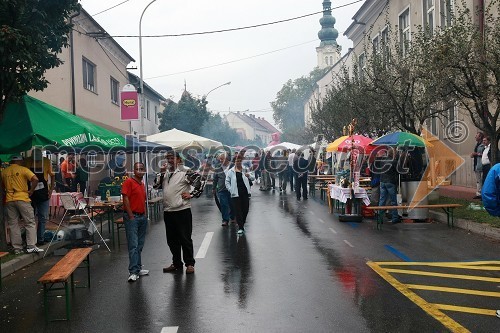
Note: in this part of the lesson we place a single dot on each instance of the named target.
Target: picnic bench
(447, 208)
(60, 273)
(2, 254)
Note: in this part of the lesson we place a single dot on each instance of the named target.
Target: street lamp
(224, 84)
(140, 64)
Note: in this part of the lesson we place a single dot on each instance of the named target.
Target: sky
(257, 61)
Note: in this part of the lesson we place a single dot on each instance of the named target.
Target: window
(156, 114)
(452, 130)
(404, 31)
(376, 45)
(331, 61)
(361, 66)
(384, 40)
(114, 90)
(429, 13)
(326, 61)
(89, 74)
(447, 11)
(148, 110)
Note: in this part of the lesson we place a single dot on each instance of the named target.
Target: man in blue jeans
(219, 189)
(387, 168)
(136, 222)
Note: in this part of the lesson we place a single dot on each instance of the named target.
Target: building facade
(370, 24)
(250, 127)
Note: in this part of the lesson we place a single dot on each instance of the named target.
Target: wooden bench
(2, 254)
(60, 273)
(447, 208)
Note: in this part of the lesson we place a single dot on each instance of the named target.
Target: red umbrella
(358, 142)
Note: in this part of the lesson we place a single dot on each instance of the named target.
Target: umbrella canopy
(178, 140)
(32, 122)
(401, 139)
(346, 143)
(135, 145)
(285, 145)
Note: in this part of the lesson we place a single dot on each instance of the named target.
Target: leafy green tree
(288, 107)
(189, 115)
(32, 34)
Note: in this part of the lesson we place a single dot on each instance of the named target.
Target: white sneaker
(133, 277)
(34, 250)
(144, 272)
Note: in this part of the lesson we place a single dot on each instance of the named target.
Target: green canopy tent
(32, 122)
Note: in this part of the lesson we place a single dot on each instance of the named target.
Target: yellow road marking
(455, 290)
(447, 307)
(441, 264)
(444, 275)
(427, 307)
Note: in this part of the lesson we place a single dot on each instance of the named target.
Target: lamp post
(143, 101)
(224, 84)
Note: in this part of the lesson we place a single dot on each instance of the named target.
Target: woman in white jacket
(238, 183)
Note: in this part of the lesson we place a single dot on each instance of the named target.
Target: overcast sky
(257, 61)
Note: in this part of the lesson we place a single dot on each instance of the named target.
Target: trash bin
(408, 189)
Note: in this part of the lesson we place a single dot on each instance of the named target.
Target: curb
(24, 260)
(482, 229)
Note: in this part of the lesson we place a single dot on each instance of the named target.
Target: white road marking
(321, 221)
(331, 229)
(347, 242)
(311, 212)
(202, 252)
(170, 329)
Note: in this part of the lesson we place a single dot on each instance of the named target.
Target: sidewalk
(466, 193)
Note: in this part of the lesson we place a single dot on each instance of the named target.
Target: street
(296, 269)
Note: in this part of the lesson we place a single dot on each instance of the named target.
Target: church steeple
(328, 50)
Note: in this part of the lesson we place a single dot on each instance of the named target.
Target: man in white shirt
(485, 158)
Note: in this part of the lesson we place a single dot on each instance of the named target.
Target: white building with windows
(370, 23)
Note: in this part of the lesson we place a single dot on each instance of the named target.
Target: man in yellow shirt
(40, 200)
(18, 204)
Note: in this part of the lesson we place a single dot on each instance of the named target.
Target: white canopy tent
(286, 145)
(179, 140)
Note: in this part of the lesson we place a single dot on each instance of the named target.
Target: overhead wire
(230, 29)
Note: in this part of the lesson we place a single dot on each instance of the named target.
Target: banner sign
(129, 102)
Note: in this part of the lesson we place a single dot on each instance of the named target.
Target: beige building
(89, 81)
(250, 127)
(370, 24)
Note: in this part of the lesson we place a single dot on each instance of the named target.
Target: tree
(218, 129)
(189, 114)
(467, 58)
(345, 99)
(288, 107)
(399, 84)
(32, 34)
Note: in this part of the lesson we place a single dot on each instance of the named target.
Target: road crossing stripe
(347, 242)
(455, 290)
(171, 329)
(202, 252)
(331, 229)
(443, 275)
(321, 221)
(427, 307)
(397, 253)
(312, 213)
(447, 307)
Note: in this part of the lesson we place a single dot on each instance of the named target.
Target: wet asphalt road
(297, 269)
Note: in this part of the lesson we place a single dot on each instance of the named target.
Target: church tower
(328, 50)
